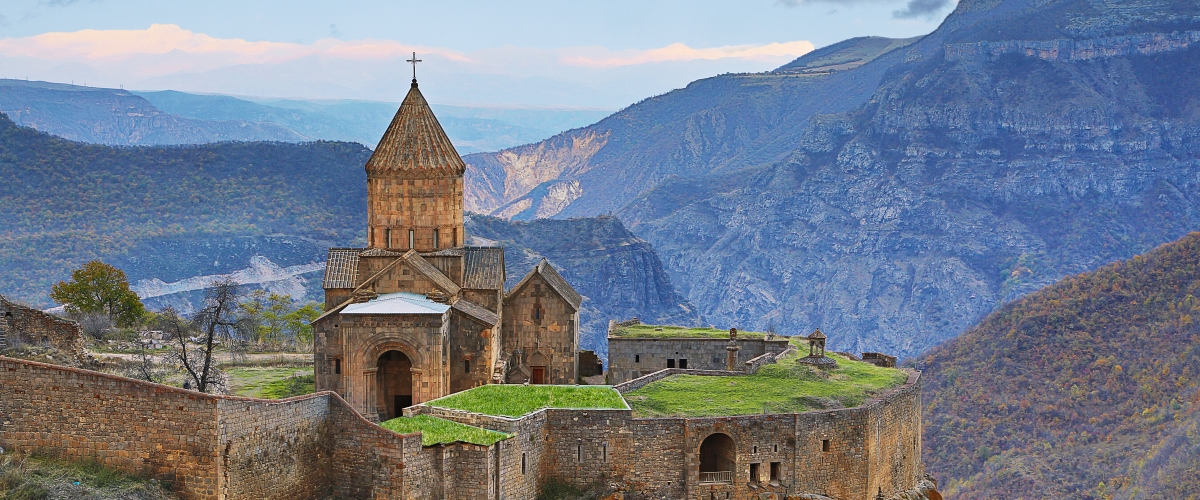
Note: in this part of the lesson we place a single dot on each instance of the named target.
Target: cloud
(681, 52)
(920, 8)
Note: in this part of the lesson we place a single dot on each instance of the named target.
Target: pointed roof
(555, 280)
(415, 141)
(816, 334)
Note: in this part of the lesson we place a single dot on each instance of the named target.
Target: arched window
(717, 459)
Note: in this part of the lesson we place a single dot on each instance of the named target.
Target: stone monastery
(435, 383)
(415, 315)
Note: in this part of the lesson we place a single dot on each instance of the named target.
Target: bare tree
(147, 367)
(219, 322)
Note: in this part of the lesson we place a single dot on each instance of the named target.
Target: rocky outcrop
(1144, 44)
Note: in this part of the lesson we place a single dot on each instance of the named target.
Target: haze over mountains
(126, 118)
(895, 203)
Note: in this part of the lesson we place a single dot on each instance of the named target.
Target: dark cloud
(919, 8)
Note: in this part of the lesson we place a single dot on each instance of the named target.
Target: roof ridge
(415, 140)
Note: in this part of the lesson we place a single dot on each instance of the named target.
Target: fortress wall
(588, 446)
(274, 449)
(894, 427)
(167, 433)
(657, 458)
(528, 444)
(841, 472)
(630, 358)
(368, 461)
(468, 470)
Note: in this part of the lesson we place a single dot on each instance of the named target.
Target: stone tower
(415, 183)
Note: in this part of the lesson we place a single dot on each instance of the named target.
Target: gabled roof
(555, 280)
(342, 268)
(480, 313)
(483, 268)
(397, 303)
(415, 141)
(423, 266)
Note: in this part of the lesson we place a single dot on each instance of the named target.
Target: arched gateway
(718, 459)
(394, 384)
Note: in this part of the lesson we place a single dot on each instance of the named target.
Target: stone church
(418, 314)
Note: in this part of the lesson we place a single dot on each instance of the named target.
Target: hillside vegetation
(1085, 389)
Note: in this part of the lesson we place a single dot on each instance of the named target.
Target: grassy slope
(27, 477)
(678, 332)
(779, 388)
(517, 400)
(1085, 389)
(270, 383)
(439, 431)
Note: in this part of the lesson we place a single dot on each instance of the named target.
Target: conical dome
(415, 141)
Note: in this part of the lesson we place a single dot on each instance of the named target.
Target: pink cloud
(681, 52)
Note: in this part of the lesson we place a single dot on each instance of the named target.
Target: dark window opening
(604, 453)
(755, 449)
(467, 366)
(579, 453)
(775, 448)
(522, 463)
(825, 445)
(637, 358)
(337, 367)
(453, 238)
(683, 363)
(435, 238)
(754, 473)
(774, 471)
(537, 313)
(670, 363)
(717, 459)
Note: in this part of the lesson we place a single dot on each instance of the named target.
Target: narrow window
(753, 473)
(388, 232)
(435, 238)
(412, 239)
(454, 238)
(337, 367)
(825, 445)
(522, 464)
(467, 365)
(637, 358)
(775, 448)
(774, 471)
(371, 237)
(579, 453)
(755, 449)
(604, 452)
(670, 363)
(683, 363)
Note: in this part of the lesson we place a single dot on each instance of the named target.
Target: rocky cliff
(1020, 142)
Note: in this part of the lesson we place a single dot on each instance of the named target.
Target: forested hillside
(1085, 389)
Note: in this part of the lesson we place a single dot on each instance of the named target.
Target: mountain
(1085, 389)
(896, 203)
(119, 117)
(175, 217)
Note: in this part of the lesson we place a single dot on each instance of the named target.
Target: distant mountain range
(894, 192)
(1089, 388)
(173, 217)
(122, 118)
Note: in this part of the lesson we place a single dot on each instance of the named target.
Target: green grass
(517, 400)
(40, 477)
(440, 431)
(270, 383)
(678, 332)
(785, 387)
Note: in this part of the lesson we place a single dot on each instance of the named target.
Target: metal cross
(414, 62)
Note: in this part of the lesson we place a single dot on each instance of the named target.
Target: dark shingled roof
(423, 266)
(476, 311)
(415, 141)
(342, 268)
(484, 268)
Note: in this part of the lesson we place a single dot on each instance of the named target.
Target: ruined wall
(630, 358)
(167, 433)
(538, 321)
(25, 325)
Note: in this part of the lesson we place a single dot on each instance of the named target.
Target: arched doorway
(394, 383)
(717, 459)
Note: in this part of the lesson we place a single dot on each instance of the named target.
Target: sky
(522, 53)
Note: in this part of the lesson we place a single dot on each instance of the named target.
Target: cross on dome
(414, 62)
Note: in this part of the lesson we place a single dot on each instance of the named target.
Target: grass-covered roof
(441, 431)
(785, 387)
(518, 400)
(677, 332)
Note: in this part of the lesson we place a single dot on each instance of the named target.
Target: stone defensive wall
(853, 453)
(221, 447)
(1075, 50)
(633, 357)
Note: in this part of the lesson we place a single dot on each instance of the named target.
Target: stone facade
(25, 325)
(630, 358)
(416, 315)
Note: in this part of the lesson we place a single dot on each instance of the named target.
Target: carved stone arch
(371, 351)
(538, 359)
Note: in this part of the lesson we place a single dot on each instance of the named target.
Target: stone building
(631, 355)
(417, 315)
(24, 325)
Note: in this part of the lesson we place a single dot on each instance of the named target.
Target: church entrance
(538, 376)
(394, 382)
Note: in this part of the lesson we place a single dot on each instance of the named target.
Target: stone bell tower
(415, 183)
